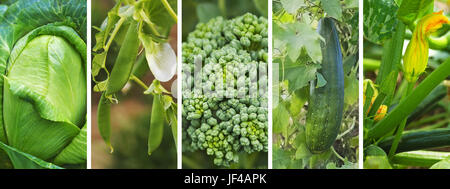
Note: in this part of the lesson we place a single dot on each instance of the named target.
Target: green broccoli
(225, 105)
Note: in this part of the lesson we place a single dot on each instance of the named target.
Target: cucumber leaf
(332, 8)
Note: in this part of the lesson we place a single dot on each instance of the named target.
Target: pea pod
(103, 120)
(125, 59)
(156, 124)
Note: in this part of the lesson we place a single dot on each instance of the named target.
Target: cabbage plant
(43, 84)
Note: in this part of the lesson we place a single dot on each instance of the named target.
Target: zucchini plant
(406, 114)
(43, 84)
(133, 40)
(315, 85)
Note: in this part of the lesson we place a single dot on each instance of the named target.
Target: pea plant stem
(169, 9)
(139, 82)
(400, 129)
(113, 34)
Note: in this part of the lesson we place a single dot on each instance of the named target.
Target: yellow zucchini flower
(416, 56)
(381, 112)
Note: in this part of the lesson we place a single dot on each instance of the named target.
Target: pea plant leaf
(379, 19)
(332, 8)
(98, 62)
(297, 36)
(107, 26)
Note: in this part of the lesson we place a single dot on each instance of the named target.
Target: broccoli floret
(225, 107)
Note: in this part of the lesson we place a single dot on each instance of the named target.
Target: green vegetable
(225, 120)
(43, 83)
(104, 120)
(419, 140)
(326, 103)
(427, 104)
(408, 105)
(156, 124)
(443, 164)
(131, 25)
(419, 158)
(125, 59)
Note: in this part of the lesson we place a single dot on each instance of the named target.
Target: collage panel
(325, 84)
(134, 63)
(315, 84)
(43, 91)
(225, 84)
(406, 77)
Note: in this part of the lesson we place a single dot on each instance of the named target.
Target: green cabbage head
(43, 84)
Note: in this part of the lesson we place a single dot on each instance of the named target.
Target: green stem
(347, 131)
(169, 9)
(399, 133)
(337, 155)
(440, 43)
(371, 64)
(139, 82)
(411, 102)
(113, 34)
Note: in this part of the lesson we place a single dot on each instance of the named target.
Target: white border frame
(88, 85)
(179, 82)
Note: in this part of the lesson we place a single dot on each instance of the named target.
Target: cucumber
(419, 140)
(326, 103)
